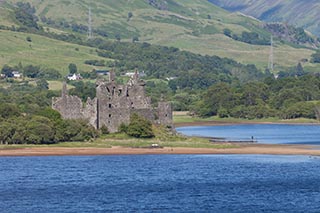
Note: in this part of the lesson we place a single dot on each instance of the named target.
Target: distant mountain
(302, 13)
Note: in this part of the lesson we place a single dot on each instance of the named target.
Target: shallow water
(160, 183)
(263, 133)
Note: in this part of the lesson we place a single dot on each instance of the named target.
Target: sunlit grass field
(49, 53)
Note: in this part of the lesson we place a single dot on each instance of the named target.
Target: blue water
(263, 133)
(160, 183)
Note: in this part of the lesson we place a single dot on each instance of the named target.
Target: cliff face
(301, 13)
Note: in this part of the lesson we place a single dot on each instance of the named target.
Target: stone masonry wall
(70, 107)
(113, 105)
(165, 113)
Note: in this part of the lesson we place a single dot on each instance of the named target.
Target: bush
(104, 130)
(139, 127)
(123, 128)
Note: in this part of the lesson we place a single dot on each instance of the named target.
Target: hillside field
(192, 25)
(43, 51)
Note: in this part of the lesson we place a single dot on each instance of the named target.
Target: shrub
(123, 128)
(104, 130)
(139, 127)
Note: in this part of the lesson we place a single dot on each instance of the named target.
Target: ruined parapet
(70, 107)
(90, 112)
(112, 76)
(165, 113)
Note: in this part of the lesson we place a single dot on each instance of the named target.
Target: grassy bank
(111, 141)
(182, 118)
(163, 138)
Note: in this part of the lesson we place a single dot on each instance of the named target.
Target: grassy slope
(42, 51)
(185, 26)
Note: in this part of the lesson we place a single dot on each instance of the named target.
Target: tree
(217, 96)
(130, 15)
(7, 71)
(72, 68)
(227, 32)
(42, 84)
(31, 71)
(254, 92)
(39, 131)
(6, 132)
(50, 113)
(8, 110)
(139, 127)
(135, 39)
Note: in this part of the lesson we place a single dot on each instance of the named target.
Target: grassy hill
(193, 25)
(304, 13)
(43, 51)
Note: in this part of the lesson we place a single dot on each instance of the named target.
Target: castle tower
(112, 76)
(165, 113)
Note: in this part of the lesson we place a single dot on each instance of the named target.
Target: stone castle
(113, 104)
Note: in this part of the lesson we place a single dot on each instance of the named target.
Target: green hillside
(193, 25)
(303, 13)
(42, 51)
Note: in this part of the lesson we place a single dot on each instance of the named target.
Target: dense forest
(287, 98)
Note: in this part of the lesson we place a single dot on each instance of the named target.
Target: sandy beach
(242, 149)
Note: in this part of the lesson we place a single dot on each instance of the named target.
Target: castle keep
(113, 105)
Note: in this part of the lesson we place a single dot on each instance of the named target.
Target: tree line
(26, 117)
(287, 98)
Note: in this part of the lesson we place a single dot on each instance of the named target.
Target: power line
(90, 34)
(271, 56)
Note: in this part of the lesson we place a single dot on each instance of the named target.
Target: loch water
(262, 133)
(160, 183)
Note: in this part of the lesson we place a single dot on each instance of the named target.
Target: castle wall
(113, 118)
(113, 105)
(90, 112)
(148, 114)
(70, 107)
(165, 113)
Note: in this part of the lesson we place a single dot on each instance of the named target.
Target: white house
(131, 74)
(74, 77)
(16, 74)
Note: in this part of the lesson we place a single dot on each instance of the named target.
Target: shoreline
(245, 149)
(226, 123)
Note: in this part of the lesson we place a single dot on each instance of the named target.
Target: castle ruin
(113, 105)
